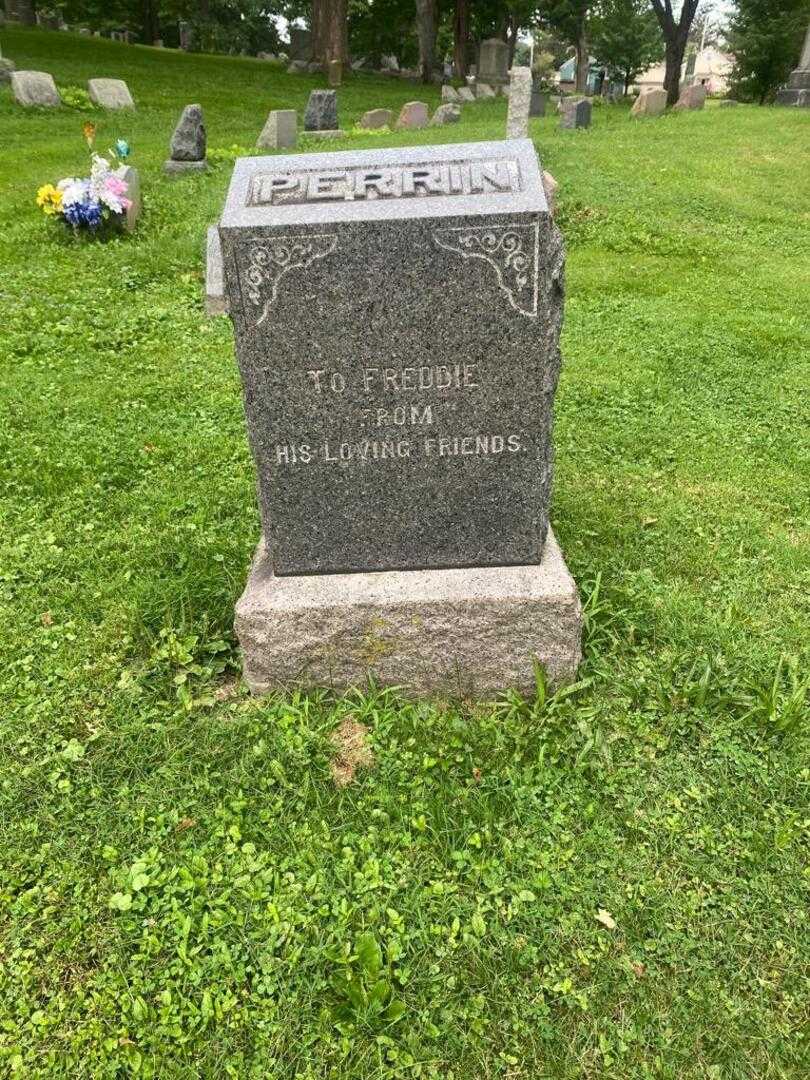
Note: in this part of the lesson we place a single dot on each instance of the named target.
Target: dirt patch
(352, 751)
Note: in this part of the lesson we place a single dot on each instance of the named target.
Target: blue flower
(122, 148)
(83, 213)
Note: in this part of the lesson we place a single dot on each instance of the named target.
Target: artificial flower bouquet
(86, 203)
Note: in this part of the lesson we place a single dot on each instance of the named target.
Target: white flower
(74, 190)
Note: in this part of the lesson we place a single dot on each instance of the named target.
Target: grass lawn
(184, 892)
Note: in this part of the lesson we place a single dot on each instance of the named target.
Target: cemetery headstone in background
(300, 44)
(484, 90)
(465, 94)
(414, 114)
(692, 97)
(377, 118)
(449, 94)
(110, 93)
(520, 95)
(131, 177)
(493, 61)
(321, 112)
(188, 143)
(402, 437)
(446, 114)
(280, 130)
(652, 101)
(34, 88)
(797, 91)
(576, 113)
(335, 72)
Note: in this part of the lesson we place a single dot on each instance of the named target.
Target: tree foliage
(626, 38)
(766, 38)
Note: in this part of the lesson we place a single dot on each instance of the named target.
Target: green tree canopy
(766, 38)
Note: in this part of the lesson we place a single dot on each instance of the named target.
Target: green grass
(183, 892)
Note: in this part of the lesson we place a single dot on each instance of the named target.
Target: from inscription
(391, 182)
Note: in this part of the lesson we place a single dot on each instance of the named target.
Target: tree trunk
(461, 31)
(511, 38)
(150, 24)
(204, 10)
(426, 32)
(672, 72)
(329, 28)
(583, 63)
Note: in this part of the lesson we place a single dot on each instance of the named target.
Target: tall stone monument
(797, 91)
(520, 98)
(397, 317)
(493, 62)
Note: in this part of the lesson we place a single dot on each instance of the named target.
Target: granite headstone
(404, 432)
(576, 113)
(652, 101)
(376, 118)
(520, 96)
(34, 88)
(110, 94)
(188, 143)
(493, 61)
(797, 91)
(321, 112)
(280, 130)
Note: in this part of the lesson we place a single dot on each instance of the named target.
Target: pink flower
(115, 185)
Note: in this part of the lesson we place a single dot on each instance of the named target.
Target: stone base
(794, 96)
(325, 133)
(177, 168)
(444, 632)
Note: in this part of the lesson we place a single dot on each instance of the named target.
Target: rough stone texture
(110, 93)
(414, 114)
(280, 130)
(314, 67)
(188, 142)
(216, 302)
(520, 93)
(377, 118)
(537, 103)
(550, 186)
(131, 177)
(484, 90)
(692, 97)
(334, 72)
(397, 316)
(493, 61)
(576, 113)
(389, 63)
(455, 632)
(34, 88)
(446, 114)
(449, 94)
(178, 168)
(650, 102)
(321, 114)
(6, 68)
(465, 94)
(297, 67)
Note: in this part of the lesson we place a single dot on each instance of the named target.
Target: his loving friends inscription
(397, 317)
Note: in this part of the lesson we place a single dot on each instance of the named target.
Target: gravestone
(280, 130)
(465, 94)
(728, 103)
(110, 93)
(493, 61)
(300, 44)
(446, 114)
(797, 91)
(34, 88)
(321, 112)
(449, 94)
(576, 113)
(414, 114)
(377, 118)
(520, 96)
(131, 177)
(396, 317)
(335, 72)
(537, 103)
(216, 302)
(550, 187)
(652, 101)
(185, 33)
(188, 143)
(692, 97)
(484, 90)
(6, 68)
(297, 67)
